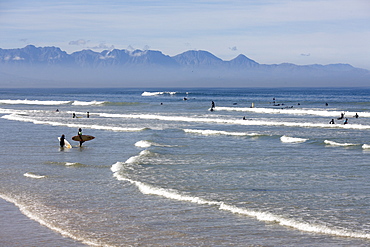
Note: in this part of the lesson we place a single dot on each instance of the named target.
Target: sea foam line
(234, 121)
(85, 103)
(50, 102)
(157, 93)
(316, 112)
(261, 216)
(288, 139)
(33, 102)
(339, 144)
(32, 175)
(366, 146)
(28, 212)
(218, 132)
(16, 117)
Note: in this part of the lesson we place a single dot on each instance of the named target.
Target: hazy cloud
(233, 48)
(79, 42)
(102, 46)
(306, 54)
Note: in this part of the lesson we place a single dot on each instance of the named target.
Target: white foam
(117, 166)
(32, 175)
(70, 164)
(218, 132)
(86, 103)
(366, 146)
(157, 93)
(235, 121)
(135, 159)
(29, 212)
(16, 117)
(294, 111)
(288, 139)
(339, 144)
(261, 216)
(143, 144)
(33, 102)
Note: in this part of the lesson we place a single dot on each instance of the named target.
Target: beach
(265, 167)
(18, 230)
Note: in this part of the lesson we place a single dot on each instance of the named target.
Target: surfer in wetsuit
(80, 135)
(332, 121)
(345, 121)
(62, 141)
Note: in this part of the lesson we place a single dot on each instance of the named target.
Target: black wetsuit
(62, 141)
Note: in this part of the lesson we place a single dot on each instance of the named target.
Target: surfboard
(66, 143)
(85, 138)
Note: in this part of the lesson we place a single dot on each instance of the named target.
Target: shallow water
(167, 171)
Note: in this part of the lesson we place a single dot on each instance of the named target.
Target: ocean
(262, 168)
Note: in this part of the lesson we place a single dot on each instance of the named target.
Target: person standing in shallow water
(61, 142)
(80, 135)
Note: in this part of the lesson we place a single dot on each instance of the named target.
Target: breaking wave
(219, 132)
(157, 93)
(33, 102)
(32, 175)
(366, 146)
(50, 102)
(260, 216)
(31, 213)
(288, 139)
(16, 117)
(87, 103)
(339, 144)
(234, 121)
(316, 112)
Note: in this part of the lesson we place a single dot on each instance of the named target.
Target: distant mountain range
(50, 66)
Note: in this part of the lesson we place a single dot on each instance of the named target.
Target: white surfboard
(66, 143)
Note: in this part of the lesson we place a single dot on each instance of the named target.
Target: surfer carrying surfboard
(61, 141)
(82, 138)
(80, 135)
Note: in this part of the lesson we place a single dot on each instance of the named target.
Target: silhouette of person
(61, 142)
(80, 135)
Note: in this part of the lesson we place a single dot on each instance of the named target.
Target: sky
(268, 31)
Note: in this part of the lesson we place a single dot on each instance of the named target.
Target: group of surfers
(62, 138)
(342, 117)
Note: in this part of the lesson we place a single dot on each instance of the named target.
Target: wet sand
(17, 229)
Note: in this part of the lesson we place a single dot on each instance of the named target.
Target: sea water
(262, 168)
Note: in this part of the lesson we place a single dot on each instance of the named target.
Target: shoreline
(18, 230)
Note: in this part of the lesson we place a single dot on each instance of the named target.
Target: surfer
(80, 135)
(356, 116)
(341, 116)
(213, 105)
(88, 114)
(332, 121)
(61, 142)
(345, 121)
(74, 115)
